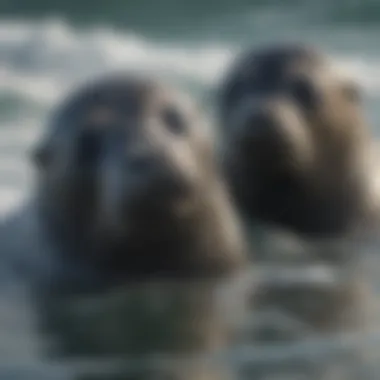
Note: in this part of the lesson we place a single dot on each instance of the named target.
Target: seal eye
(89, 146)
(303, 92)
(173, 120)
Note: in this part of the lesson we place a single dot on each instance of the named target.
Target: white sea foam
(9, 199)
(40, 61)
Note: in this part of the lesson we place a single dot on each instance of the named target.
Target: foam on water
(41, 61)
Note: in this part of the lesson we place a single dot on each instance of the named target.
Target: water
(46, 47)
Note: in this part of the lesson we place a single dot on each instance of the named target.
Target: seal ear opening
(41, 156)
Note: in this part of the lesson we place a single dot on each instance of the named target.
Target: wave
(41, 61)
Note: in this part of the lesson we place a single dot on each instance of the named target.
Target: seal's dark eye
(173, 120)
(303, 91)
(89, 146)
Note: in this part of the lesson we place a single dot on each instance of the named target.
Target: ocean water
(47, 47)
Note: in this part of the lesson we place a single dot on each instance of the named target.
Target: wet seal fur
(128, 188)
(297, 147)
(300, 162)
(130, 233)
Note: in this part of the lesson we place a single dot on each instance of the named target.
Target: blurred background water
(47, 46)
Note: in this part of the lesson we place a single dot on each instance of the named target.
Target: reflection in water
(309, 302)
(142, 331)
(294, 316)
(280, 322)
(287, 319)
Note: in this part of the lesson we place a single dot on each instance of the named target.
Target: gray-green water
(46, 47)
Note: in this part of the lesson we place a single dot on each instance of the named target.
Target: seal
(130, 236)
(296, 141)
(299, 159)
(129, 187)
